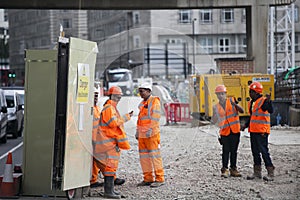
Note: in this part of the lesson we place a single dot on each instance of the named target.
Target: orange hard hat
(114, 90)
(220, 88)
(257, 87)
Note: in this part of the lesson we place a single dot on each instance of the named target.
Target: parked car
(15, 110)
(3, 117)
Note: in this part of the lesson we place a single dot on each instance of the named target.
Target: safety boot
(256, 173)
(109, 192)
(119, 181)
(224, 172)
(234, 172)
(270, 176)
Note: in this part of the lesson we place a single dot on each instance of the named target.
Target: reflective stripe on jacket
(108, 162)
(148, 119)
(111, 131)
(259, 119)
(228, 119)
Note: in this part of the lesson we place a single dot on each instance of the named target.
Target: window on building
(206, 45)
(227, 15)
(136, 17)
(296, 13)
(173, 41)
(206, 16)
(44, 42)
(184, 16)
(136, 41)
(67, 23)
(224, 45)
(244, 45)
(243, 15)
(5, 17)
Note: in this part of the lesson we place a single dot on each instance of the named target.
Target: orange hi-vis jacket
(96, 119)
(259, 119)
(111, 133)
(148, 119)
(228, 119)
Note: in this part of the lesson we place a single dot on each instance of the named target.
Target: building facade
(39, 29)
(131, 38)
(4, 37)
(209, 35)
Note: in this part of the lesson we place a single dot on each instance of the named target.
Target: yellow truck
(202, 91)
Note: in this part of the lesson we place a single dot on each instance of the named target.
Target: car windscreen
(115, 77)
(10, 101)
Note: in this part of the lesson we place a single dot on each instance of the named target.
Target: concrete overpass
(256, 15)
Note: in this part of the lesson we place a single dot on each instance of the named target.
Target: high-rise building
(207, 35)
(4, 37)
(200, 36)
(152, 42)
(39, 29)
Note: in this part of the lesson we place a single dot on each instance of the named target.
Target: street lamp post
(193, 27)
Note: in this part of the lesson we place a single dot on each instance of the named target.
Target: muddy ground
(192, 162)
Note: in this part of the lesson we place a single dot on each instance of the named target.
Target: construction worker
(95, 169)
(96, 118)
(259, 127)
(225, 114)
(110, 140)
(148, 136)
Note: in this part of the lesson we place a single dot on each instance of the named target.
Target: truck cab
(119, 77)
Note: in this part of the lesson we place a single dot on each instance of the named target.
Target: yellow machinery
(202, 91)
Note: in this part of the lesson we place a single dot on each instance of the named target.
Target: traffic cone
(7, 185)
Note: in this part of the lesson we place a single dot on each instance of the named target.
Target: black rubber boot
(109, 188)
(119, 181)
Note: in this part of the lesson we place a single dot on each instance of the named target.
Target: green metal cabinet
(39, 123)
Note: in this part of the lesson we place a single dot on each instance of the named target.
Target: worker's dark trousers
(230, 147)
(259, 145)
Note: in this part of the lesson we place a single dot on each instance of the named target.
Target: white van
(3, 117)
(15, 107)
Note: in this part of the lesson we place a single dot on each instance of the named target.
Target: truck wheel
(21, 129)
(3, 139)
(15, 134)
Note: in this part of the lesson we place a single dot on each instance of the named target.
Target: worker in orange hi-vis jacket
(148, 136)
(259, 124)
(225, 114)
(110, 140)
(95, 169)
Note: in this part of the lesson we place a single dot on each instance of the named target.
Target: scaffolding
(282, 39)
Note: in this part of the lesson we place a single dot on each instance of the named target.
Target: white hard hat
(96, 90)
(146, 85)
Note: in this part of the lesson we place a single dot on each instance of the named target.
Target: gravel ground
(192, 163)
